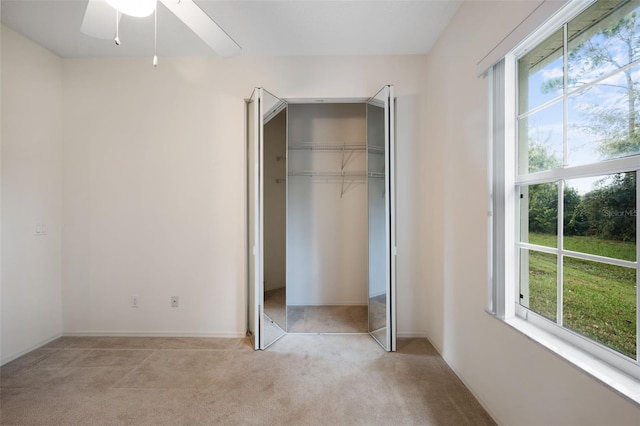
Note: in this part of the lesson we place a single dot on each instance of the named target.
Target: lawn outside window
(567, 222)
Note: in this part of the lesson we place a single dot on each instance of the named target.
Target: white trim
(492, 292)
(393, 247)
(18, 354)
(607, 167)
(412, 335)
(559, 258)
(512, 222)
(590, 347)
(536, 19)
(354, 100)
(624, 384)
(579, 255)
(562, 14)
(216, 334)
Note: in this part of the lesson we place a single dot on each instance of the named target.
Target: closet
(320, 217)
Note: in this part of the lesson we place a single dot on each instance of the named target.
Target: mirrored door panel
(262, 107)
(274, 166)
(381, 217)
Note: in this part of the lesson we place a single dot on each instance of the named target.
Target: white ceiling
(261, 28)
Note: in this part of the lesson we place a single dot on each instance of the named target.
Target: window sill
(619, 382)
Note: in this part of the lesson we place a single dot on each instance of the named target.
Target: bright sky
(608, 95)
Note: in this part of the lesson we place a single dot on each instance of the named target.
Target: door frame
(256, 251)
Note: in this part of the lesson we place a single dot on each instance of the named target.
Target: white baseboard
(411, 335)
(218, 334)
(358, 303)
(18, 354)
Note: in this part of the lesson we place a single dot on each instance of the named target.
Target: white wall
(327, 230)
(518, 381)
(30, 290)
(154, 194)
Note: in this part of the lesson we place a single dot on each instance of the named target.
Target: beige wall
(518, 381)
(154, 184)
(31, 96)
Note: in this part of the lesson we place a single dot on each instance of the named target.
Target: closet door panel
(261, 107)
(381, 217)
(253, 228)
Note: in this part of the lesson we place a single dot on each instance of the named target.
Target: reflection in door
(261, 108)
(380, 220)
(275, 217)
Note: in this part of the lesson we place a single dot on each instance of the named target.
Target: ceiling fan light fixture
(137, 8)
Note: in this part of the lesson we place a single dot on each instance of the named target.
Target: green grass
(599, 300)
(624, 250)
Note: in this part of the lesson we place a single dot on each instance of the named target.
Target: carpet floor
(300, 380)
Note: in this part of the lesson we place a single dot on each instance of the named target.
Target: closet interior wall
(327, 237)
(275, 210)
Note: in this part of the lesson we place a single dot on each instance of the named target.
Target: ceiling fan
(101, 19)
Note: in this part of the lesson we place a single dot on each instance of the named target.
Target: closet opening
(327, 218)
(320, 217)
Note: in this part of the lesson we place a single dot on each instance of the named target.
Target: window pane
(540, 73)
(539, 282)
(599, 301)
(540, 140)
(604, 119)
(612, 42)
(600, 215)
(539, 220)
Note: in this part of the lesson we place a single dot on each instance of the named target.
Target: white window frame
(609, 366)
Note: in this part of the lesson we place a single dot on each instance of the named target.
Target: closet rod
(376, 149)
(327, 174)
(329, 146)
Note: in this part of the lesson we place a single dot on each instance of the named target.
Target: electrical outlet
(175, 301)
(135, 301)
(40, 230)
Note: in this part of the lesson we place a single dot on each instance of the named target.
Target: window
(570, 179)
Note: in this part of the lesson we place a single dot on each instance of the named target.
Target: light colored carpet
(327, 319)
(300, 380)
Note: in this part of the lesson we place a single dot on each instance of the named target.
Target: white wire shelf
(328, 146)
(340, 174)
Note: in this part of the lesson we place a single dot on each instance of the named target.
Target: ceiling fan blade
(99, 20)
(203, 26)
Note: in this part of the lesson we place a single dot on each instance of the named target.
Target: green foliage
(543, 208)
(540, 157)
(609, 211)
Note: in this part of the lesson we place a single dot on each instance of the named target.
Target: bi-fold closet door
(379, 213)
